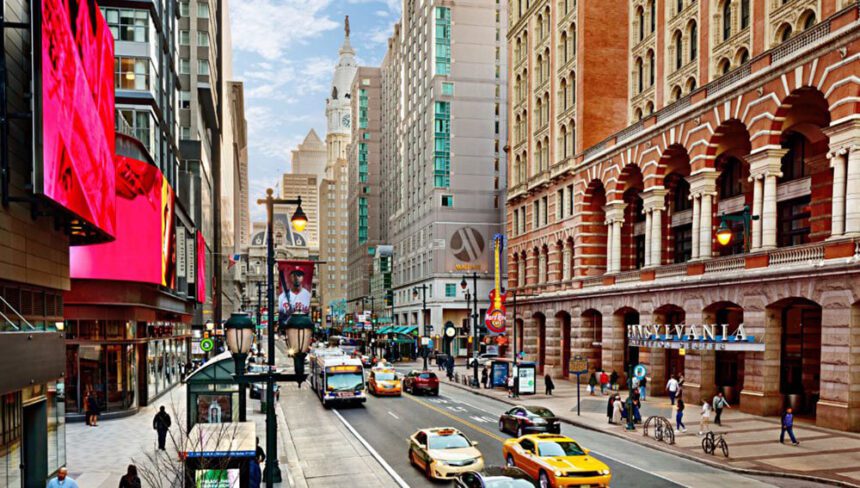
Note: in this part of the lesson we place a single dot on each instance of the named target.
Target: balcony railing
(679, 269)
(592, 281)
(728, 263)
(800, 41)
(627, 276)
(797, 254)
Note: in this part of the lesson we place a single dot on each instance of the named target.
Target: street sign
(640, 371)
(425, 341)
(579, 365)
(207, 345)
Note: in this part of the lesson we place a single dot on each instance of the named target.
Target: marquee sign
(703, 337)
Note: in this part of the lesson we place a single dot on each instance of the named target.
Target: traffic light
(373, 319)
(205, 334)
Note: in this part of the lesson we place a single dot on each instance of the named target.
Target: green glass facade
(443, 41)
(362, 162)
(362, 109)
(442, 154)
(362, 219)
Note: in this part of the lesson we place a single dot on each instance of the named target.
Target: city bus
(337, 379)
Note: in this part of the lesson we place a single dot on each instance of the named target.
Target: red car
(425, 381)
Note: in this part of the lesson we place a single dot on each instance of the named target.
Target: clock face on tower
(345, 121)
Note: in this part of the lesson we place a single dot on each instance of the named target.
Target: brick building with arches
(738, 116)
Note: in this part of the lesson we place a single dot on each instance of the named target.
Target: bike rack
(663, 430)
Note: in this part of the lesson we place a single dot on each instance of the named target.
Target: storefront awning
(384, 330)
(408, 330)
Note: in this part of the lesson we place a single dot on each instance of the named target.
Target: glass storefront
(46, 398)
(11, 433)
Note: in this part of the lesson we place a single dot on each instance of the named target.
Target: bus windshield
(344, 381)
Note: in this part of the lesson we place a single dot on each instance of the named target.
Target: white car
(482, 359)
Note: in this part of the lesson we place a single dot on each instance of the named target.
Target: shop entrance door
(674, 362)
(34, 458)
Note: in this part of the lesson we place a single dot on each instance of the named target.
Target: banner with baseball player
(295, 282)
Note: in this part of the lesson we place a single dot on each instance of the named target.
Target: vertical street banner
(295, 282)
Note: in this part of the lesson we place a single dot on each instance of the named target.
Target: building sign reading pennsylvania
(704, 337)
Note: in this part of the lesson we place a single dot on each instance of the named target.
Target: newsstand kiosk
(219, 455)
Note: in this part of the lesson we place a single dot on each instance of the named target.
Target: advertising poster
(500, 373)
(295, 282)
(526, 374)
(143, 250)
(214, 409)
(201, 268)
(74, 117)
(216, 478)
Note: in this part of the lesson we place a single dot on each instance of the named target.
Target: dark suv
(425, 381)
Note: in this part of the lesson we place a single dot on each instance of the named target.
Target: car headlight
(604, 472)
(558, 473)
(540, 422)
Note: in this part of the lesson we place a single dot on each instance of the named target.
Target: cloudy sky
(285, 52)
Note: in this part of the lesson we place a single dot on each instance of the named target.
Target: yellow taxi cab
(556, 461)
(383, 381)
(444, 453)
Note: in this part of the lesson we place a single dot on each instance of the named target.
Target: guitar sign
(495, 318)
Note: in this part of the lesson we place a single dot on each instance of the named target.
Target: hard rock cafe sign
(704, 337)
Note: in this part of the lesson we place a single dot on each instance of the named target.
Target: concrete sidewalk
(823, 454)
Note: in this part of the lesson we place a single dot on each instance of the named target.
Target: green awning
(408, 330)
(383, 330)
(402, 340)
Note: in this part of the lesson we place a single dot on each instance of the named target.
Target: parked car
(425, 381)
(496, 477)
(522, 420)
(483, 359)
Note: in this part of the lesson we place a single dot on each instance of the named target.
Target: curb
(657, 447)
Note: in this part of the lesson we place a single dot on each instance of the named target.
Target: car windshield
(344, 381)
(541, 412)
(427, 376)
(452, 441)
(384, 376)
(507, 483)
(563, 448)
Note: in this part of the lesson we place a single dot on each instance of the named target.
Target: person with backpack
(788, 426)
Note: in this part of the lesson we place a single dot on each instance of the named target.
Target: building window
(131, 73)
(447, 88)
(183, 9)
(450, 290)
(442, 155)
(793, 222)
(362, 220)
(447, 200)
(138, 124)
(730, 182)
(362, 108)
(184, 99)
(679, 51)
(694, 41)
(537, 214)
(128, 24)
(202, 38)
(184, 67)
(184, 38)
(792, 161)
(745, 14)
(682, 237)
(202, 67)
(362, 162)
(545, 210)
(727, 19)
(443, 40)
(652, 14)
(559, 204)
(203, 10)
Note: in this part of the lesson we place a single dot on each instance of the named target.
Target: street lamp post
(423, 288)
(259, 317)
(272, 472)
(475, 338)
(724, 232)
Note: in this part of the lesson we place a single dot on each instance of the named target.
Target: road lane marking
(637, 468)
(387, 467)
(392, 414)
(442, 411)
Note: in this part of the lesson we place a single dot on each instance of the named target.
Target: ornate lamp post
(239, 331)
(474, 311)
(423, 288)
(725, 234)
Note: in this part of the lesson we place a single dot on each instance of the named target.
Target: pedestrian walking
(509, 381)
(613, 380)
(450, 365)
(788, 426)
(255, 474)
(617, 410)
(484, 377)
(679, 416)
(642, 383)
(604, 382)
(637, 417)
(705, 421)
(547, 379)
(93, 409)
(592, 383)
(516, 386)
(63, 480)
(610, 408)
(719, 404)
(161, 424)
(672, 388)
(130, 480)
(260, 454)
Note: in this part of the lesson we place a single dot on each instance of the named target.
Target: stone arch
(592, 232)
(590, 336)
(727, 371)
(621, 354)
(539, 320)
(563, 323)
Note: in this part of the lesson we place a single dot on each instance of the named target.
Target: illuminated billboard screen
(74, 113)
(201, 268)
(144, 249)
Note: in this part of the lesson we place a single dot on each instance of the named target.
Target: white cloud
(393, 6)
(269, 27)
(288, 81)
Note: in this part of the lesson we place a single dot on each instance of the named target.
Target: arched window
(539, 64)
(538, 112)
(652, 13)
(640, 17)
(516, 172)
(649, 108)
(651, 68)
(745, 14)
(572, 87)
(694, 41)
(792, 161)
(540, 26)
(783, 33)
(639, 74)
(807, 20)
(638, 114)
(691, 85)
(518, 129)
(545, 156)
(546, 64)
(545, 108)
(562, 47)
(727, 19)
(743, 56)
(679, 5)
(730, 182)
(676, 93)
(562, 95)
(572, 39)
(518, 51)
(724, 66)
(679, 50)
(538, 156)
(562, 142)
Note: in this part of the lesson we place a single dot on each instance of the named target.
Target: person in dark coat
(613, 380)
(484, 377)
(130, 480)
(610, 407)
(161, 423)
(93, 409)
(547, 379)
(255, 475)
(261, 454)
(450, 368)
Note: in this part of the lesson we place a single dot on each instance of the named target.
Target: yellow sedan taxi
(556, 461)
(383, 381)
(444, 453)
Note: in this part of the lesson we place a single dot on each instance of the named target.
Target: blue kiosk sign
(703, 337)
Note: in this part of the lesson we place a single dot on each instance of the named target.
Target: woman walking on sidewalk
(705, 422)
(547, 379)
(592, 383)
(679, 416)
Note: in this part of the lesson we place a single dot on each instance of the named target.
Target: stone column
(706, 224)
(703, 184)
(654, 202)
(694, 252)
(852, 192)
(609, 240)
(837, 214)
(767, 165)
(615, 219)
(758, 187)
(760, 394)
(566, 267)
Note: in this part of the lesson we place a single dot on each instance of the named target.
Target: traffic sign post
(578, 366)
(207, 344)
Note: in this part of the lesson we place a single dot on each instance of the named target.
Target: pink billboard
(144, 249)
(74, 119)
